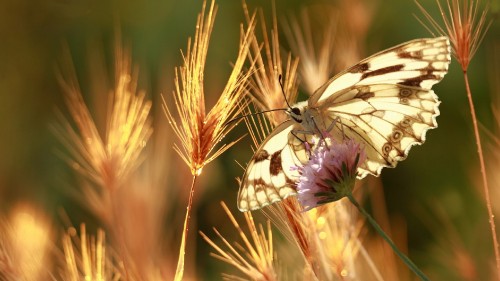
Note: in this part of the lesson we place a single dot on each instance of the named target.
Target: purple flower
(330, 173)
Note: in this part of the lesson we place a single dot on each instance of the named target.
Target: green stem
(375, 225)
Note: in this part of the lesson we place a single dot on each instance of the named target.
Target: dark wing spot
(411, 55)
(404, 101)
(428, 70)
(261, 156)
(260, 187)
(406, 126)
(275, 166)
(406, 122)
(365, 95)
(415, 82)
(404, 92)
(405, 55)
(359, 68)
(259, 184)
(386, 149)
(396, 135)
(382, 71)
(291, 183)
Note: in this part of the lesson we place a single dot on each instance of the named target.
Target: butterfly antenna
(252, 114)
(265, 111)
(283, 90)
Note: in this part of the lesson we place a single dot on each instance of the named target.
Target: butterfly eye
(296, 115)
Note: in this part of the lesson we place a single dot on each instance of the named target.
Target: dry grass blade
(258, 127)
(200, 131)
(106, 161)
(255, 258)
(316, 54)
(295, 226)
(339, 242)
(266, 91)
(328, 239)
(86, 257)
(107, 156)
(462, 24)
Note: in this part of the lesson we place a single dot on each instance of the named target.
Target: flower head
(330, 173)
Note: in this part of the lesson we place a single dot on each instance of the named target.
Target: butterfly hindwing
(270, 176)
(387, 118)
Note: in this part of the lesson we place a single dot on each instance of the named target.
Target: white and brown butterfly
(384, 102)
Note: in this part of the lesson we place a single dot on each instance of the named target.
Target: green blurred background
(444, 172)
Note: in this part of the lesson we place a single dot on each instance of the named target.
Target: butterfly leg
(337, 122)
(341, 128)
(297, 137)
(317, 127)
(323, 134)
(307, 145)
(334, 123)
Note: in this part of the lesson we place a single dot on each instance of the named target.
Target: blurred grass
(444, 171)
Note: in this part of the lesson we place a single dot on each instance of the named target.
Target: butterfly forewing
(384, 102)
(419, 63)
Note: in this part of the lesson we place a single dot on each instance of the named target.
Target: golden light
(28, 237)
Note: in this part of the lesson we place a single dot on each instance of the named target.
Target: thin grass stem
(179, 272)
(483, 174)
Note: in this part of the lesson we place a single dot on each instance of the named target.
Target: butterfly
(384, 102)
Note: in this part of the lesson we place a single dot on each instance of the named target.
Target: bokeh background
(440, 179)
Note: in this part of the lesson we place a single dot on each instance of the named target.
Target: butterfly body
(305, 115)
(384, 102)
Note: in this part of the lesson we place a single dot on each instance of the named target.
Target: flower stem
(179, 272)
(483, 173)
(375, 225)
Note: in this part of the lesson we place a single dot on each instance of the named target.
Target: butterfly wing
(387, 118)
(271, 174)
(386, 101)
(418, 63)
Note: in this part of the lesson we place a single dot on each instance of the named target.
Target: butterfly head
(295, 113)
